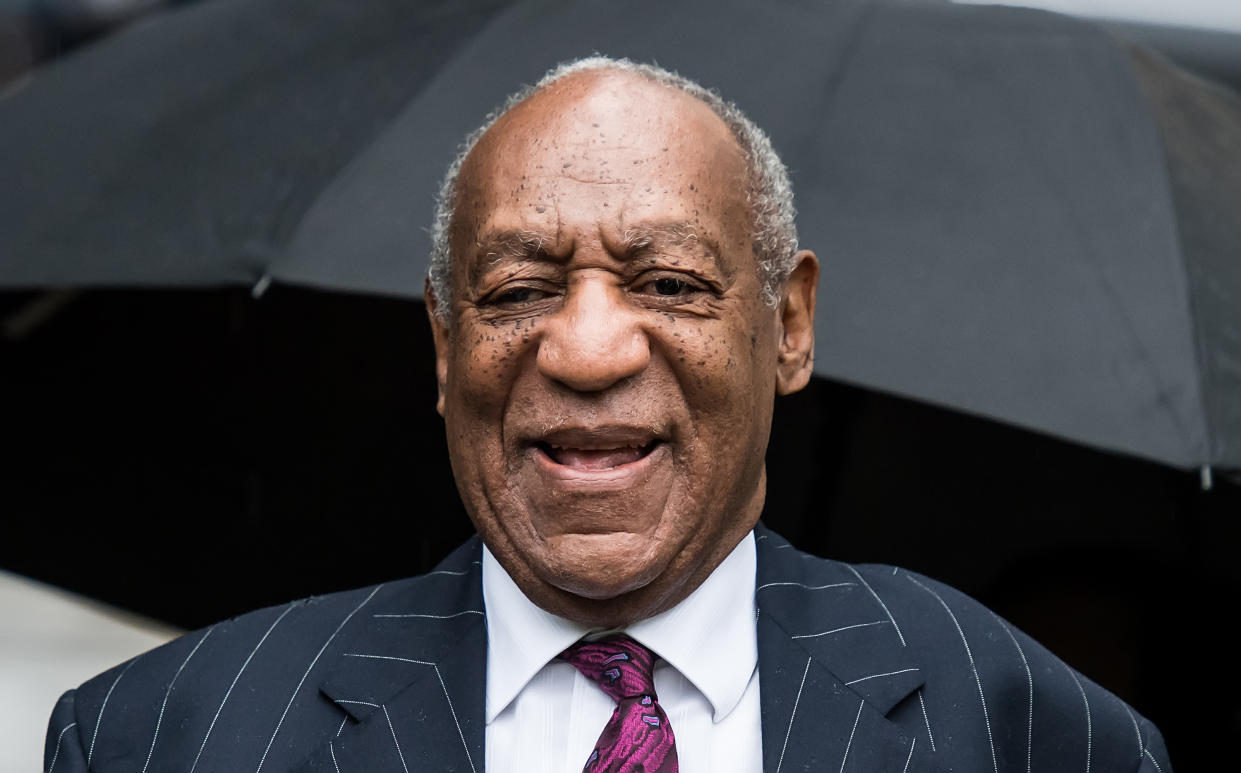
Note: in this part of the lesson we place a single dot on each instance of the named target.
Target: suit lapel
(831, 667)
(413, 684)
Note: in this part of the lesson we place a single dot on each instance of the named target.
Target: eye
(518, 295)
(671, 287)
(667, 285)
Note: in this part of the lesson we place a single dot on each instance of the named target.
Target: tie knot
(618, 664)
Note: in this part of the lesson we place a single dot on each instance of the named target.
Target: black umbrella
(184, 150)
(989, 188)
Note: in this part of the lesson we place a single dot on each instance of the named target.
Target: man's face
(608, 373)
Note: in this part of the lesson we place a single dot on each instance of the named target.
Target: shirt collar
(709, 637)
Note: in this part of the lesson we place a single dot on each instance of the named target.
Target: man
(616, 297)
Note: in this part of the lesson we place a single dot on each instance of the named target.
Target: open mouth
(596, 459)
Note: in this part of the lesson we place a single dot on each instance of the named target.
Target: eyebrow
(512, 245)
(641, 238)
(520, 245)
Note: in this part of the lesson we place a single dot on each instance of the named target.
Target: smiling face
(608, 369)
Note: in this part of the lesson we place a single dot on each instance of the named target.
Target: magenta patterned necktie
(638, 738)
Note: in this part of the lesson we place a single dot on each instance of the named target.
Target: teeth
(596, 458)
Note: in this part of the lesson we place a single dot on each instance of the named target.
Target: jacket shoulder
(226, 692)
(996, 694)
(286, 628)
(990, 696)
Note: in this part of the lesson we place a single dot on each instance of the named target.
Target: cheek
(717, 366)
(486, 360)
(485, 366)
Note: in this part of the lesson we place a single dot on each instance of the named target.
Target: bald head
(621, 89)
(603, 141)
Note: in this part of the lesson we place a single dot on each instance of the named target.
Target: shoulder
(289, 628)
(249, 671)
(989, 682)
(287, 631)
(989, 691)
(293, 630)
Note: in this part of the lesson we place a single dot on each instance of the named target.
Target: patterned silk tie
(638, 738)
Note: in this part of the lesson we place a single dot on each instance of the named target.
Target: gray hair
(770, 194)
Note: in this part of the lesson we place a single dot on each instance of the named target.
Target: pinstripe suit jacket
(862, 668)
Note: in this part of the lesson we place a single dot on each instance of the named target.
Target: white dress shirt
(542, 714)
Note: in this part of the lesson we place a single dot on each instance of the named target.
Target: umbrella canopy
(989, 188)
(183, 150)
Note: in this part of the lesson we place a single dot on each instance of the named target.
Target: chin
(602, 566)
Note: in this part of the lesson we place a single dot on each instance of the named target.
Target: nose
(594, 340)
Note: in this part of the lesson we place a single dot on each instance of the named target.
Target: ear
(440, 334)
(795, 360)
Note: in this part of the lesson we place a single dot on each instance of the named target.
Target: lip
(621, 476)
(614, 478)
(600, 436)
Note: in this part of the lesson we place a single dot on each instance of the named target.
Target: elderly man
(616, 296)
